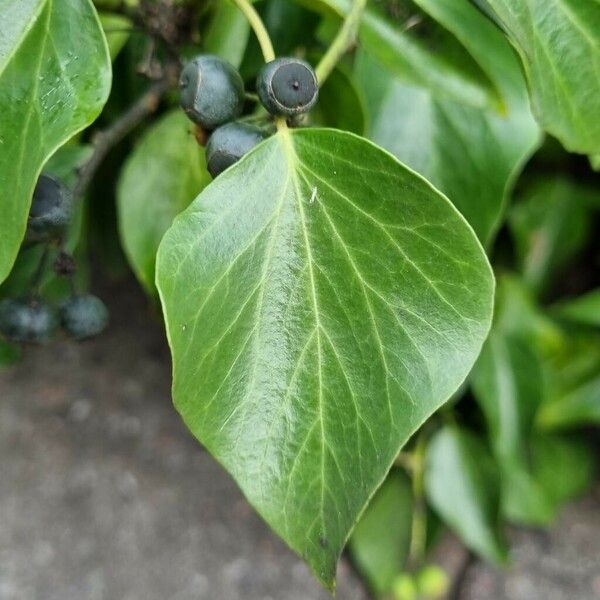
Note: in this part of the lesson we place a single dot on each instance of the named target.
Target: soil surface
(104, 495)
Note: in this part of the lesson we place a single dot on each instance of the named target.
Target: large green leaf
(472, 155)
(463, 486)
(321, 302)
(559, 44)
(422, 52)
(381, 539)
(54, 79)
(163, 174)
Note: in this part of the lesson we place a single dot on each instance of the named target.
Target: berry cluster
(212, 95)
(31, 319)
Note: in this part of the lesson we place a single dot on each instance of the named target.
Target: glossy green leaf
(117, 31)
(559, 44)
(462, 484)
(584, 310)
(471, 155)
(54, 79)
(550, 223)
(321, 302)
(380, 542)
(423, 53)
(162, 175)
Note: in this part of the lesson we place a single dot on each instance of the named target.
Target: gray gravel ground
(105, 496)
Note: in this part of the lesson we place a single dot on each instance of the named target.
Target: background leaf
(46, 95)
(463, 486)
(116, 29)
(341, 104)
(162, 175)
(421, 52)
(228, 33)
(584, 309)
(550, 223)
(559, 44)
(380, 541)
(472, 155)
(317, 315)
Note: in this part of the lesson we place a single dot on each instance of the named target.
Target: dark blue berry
(31, 321)
(211, 91)
(83, 316)
(229, 143)
(51, 210)
(287, 86)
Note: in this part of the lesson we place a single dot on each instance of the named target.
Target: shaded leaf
(54, 79)
(321, 302)
(508, 385)
(559, 44)
(550, 224)
(423, 53)
(162, 175)
(341, 104)
(116, 29)
(564, 466)
(575, 408)
(228, 33)
(380, 542)
(584, 309)
(463, 486)
(471, 155)
(9, 354)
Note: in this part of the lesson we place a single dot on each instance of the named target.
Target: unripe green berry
(83, 316)
(287, 86)
(404, 587)
(51, 210)
(229, 143)
(211, 91)
(31, 321)
(432, 582)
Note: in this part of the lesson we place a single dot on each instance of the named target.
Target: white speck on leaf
(313, 196)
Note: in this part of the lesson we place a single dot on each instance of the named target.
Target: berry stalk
(344, 39)
(258, 27)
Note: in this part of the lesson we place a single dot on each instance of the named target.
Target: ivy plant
(322, 197)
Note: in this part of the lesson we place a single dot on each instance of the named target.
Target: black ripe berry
(83, 316)
(211, 91)
(31, 321)
(51, 210)
(229, 143)
(287, 86)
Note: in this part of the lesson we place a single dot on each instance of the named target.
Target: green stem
(343, 40)
(419, 517)
(258, 27)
